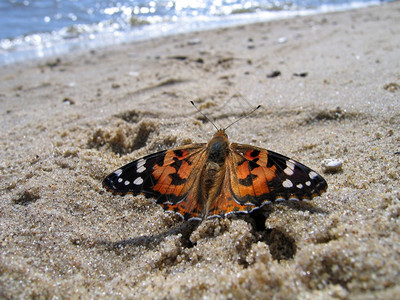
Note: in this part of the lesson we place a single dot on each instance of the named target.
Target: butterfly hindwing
(262, 176)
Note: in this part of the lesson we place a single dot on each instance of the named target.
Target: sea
(31, 29)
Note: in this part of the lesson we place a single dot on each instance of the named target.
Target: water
(39, 28)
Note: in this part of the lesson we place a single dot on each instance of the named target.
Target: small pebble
(134, 73)
(282, 40)
(392, 87)
(302, 74)
(274, 74)
(69, 101)
(332, 165)
(194, 41)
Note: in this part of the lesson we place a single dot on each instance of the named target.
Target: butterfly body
(200, 181)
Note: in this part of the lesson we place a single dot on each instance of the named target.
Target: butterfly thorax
(218, 148)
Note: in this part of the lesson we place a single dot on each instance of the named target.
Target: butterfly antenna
(243, 117)
(204, 115)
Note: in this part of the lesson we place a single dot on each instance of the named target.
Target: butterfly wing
(260, 176)
(252, 177)
(255, 176)
(170, 177)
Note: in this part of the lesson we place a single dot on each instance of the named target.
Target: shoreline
(61, 42)
(329, 89)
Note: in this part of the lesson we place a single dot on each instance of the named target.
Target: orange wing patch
(252, 175)
(225, 203)
(178, 176)
(172, 174)
(187, 208)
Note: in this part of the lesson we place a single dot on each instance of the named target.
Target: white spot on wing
(308, 183)
(288, 171)
(287, 183)
(313, 175)
(290, 167)
(141, 162)
(138, 181)
(118, 172)
(299, 186)
(126, 182)
(290, 163)
(141, 169)
(120, 180)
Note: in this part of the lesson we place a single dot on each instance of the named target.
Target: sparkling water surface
(39, 28)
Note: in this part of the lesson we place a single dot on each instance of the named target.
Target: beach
(329, 88)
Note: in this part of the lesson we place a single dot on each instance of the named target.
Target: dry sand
(67, 122)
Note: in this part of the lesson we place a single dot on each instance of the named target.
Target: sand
(68, 121)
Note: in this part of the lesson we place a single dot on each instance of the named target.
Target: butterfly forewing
(134, 178)
(294, 180)
(164, 176)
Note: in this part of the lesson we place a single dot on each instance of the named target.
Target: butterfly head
(221, 133)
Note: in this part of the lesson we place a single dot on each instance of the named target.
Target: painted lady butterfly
(201, 181)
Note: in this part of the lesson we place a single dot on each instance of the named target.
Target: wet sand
(329, 89)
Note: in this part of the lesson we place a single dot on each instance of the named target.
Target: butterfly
(216, 179)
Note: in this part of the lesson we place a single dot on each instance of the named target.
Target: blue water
(39, 28)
